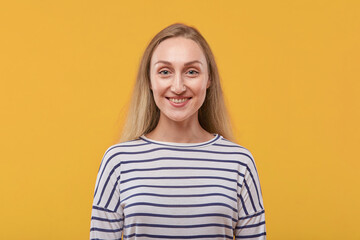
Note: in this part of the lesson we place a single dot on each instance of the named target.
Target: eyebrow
(186, 64)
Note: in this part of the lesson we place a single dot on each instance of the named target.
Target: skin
(178, 69)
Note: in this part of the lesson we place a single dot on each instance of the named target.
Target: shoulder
(227, 144)
(243, 153)
(114, 153)
(124, 146)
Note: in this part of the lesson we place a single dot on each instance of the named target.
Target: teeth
(178, 100)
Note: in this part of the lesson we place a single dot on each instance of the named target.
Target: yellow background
(290, 73)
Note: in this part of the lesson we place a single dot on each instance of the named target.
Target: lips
(179, 100)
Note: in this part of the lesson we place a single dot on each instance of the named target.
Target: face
(179, 79)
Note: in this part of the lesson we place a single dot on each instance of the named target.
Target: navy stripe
(222, 138)
(192, 195)
(177, 226)
(180, 205)
(257, 192)
(178, 237)
(177, 168)
(243, 204)
(251, 236)
(107, 181)
(185, 186)
(182, 216)
(102, 209)
(117, 206)
(106, 219)
(182, 177)
(183, 159)
(122, 145)
(249, 193)
(182, 150)
(106, 230)
(254, 215)
(251, 225)
(112, 192)
(232, 143)
(106, 163)
(224, 145)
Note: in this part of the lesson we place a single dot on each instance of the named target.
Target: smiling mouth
(178, 100)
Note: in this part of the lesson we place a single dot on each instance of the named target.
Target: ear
(208, 83)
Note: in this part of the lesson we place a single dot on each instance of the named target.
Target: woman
(177, 174)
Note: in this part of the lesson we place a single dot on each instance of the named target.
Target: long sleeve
(251, 215)
(107, 215)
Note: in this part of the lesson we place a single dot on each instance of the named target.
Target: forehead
(178, 49)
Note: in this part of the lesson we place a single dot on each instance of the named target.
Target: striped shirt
(147, 189)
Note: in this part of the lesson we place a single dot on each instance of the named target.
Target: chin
(178, 118)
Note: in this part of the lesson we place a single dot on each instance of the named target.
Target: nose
(177, 85)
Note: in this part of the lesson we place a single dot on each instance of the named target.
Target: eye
(192, 72)
(164, 72)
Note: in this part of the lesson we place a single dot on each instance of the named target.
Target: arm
(107, 215)
(251, 215)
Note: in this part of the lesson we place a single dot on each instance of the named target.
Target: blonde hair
(143, 114)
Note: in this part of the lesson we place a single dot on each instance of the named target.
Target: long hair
(143, 114)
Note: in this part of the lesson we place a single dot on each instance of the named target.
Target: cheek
(201, 88)
(157, 91)
(158, 87)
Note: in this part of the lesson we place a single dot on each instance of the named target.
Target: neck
(187, 131)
